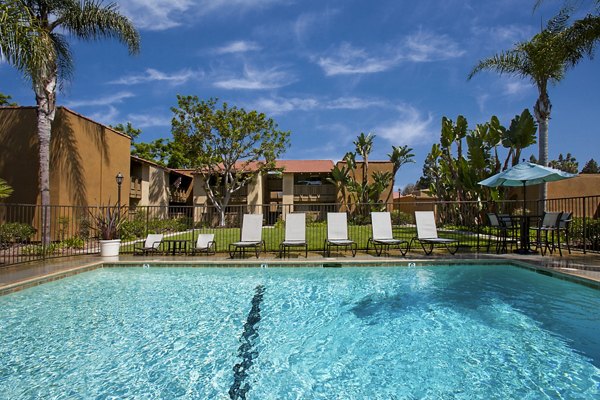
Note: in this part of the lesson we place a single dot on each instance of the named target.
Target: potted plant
(107, 222)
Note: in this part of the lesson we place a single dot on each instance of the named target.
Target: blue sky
(327, 70)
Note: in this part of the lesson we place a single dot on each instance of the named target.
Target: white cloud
(503, 36)
(254, 79)
(515, 88)
(153, 75)
(347, 60)
(410, 128)
(146, 120)
(157, 15)
(354, 103)
(283, 105)
(420, 47)
(240, 46)
(427, 47)
(278, 106)
(106, 117)
(100, 101)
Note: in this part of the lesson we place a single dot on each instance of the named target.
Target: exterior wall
(288, 192)
(85, 158)
(409, 204)
(158, 194)
(374, 166)
(255, 195)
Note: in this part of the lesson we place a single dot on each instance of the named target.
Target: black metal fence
(73, 230)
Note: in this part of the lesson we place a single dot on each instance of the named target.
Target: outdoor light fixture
(119, 179)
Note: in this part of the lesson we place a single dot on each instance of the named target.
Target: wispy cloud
(514, 88)
(306, 23)
(100, 101)
(107, 117)
(148, 120)
(503, 36)
(412, 127)
(282, 105)
(239, 46)
(255, 79)
(347, 59)
(153, 75)
(427, 47)
(158, 15)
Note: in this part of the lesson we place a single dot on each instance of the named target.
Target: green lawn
(315, 235)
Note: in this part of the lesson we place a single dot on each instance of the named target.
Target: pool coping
(567, 274)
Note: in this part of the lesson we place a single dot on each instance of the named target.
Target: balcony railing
(316, 193)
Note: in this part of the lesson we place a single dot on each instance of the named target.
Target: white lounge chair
(337, 234)
(150, 245)
(205, 244)
(427, 234)
(295, 234)
(251, 236)
(383, 237)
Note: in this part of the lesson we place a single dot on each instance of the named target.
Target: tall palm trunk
(45, 95)
(542, 110)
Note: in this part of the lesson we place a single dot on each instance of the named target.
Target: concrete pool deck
(578, 267)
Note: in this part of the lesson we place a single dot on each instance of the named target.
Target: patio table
(176, 246)
(525, 223)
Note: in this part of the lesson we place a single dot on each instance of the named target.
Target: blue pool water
(442, 332)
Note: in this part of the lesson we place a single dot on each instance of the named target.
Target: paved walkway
(17, 277)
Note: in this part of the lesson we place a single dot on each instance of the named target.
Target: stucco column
(255, 195)
(200, 198)
(288, 193)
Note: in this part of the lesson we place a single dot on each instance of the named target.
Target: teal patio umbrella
(526, 174)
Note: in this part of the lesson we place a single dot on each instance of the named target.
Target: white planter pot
(110, 248)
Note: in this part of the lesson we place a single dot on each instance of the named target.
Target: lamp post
(119, 179)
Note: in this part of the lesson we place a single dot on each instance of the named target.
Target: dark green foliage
(401, 218)
(128, 129)
(591, 167)
(567, 163)
(5, 100)
(15, 232)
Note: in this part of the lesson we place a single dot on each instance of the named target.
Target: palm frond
(64, 61)
(91, 20)
(23, 43)
(511, 62)
(558, 23)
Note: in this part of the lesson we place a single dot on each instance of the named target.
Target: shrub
(401, 218)
(38, 249)
(591, 233)
(73, 243)
(15, 232)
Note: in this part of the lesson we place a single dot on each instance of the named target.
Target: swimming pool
(296, 333)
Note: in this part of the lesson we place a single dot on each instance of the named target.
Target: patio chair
(545, 232)
(205, 244)
(295, 234)
(150, 245)
(383, 238)
(427, 234)
(337, 234)
(251, 237)
(504, 228)
(564, 224)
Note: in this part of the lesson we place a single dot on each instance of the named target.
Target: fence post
(584, 233)
(147, 218)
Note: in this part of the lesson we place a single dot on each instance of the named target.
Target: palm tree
(399, 156)
(5, 189)
(363, 146)
(543, 60)
(85, 20)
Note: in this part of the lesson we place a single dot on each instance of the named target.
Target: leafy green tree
(5, 189)
(544, 60)
(340, 177)
(591, 167)
(44, 55)
(5, 100)
(227, 146)
(165, 152)
(567, 163)
(128, 129)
